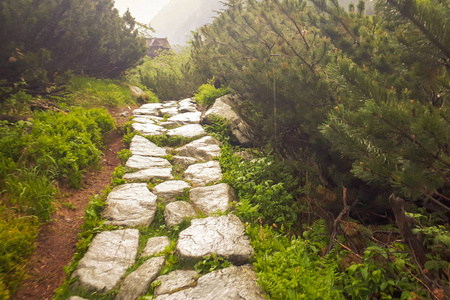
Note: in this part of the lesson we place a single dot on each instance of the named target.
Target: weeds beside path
(56, 242)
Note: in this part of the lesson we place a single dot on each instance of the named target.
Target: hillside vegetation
(346, 194)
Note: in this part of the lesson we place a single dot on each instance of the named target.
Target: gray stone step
(148, 128)
(145, 162)
(224, 235)
(186, 118)
(203, 149)
(176, 212)
(232, 283)
(187, 131)
(168, 190)
(155, 245)
(137, 283)
(204, 173)
(176, 281)
(214, 198)
(141, 146)
(130, 205)
(110, 254)
(150, 173)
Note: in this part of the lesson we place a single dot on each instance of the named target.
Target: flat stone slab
(130, 205)
(76, 298)
(224, 235)
(187, 105)
(187, 118)
(171, 103)
(148, 109)
(141, 146)
(204, 173)
(156, 245)
(151, 173)
(109, 256)
(176, 281)
(184, 161)
(203, 149)
(148, 128)
(176, 212)
(214, 198)
(168, 190)
(144, 119)
(145, 162)
(170, 111)
(232, 283)
(137, 283)
(187, 131)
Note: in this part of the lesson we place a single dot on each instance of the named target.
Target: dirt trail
(56, 242)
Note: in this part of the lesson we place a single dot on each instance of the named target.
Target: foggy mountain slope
(179, 17)
(176, 20)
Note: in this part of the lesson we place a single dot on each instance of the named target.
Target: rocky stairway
(133, 205)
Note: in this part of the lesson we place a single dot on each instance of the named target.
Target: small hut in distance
(156, 45)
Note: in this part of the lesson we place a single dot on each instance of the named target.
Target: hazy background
(175, 19)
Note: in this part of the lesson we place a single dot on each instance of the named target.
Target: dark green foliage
(169, 75)
(17, 235)
(207, 94)
(211, 263)
(292, 268)
(41, 39)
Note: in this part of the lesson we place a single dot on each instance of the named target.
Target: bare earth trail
(56, 242)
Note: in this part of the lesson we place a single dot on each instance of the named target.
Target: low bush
(207, 93)
(17, 235)
(91, 92)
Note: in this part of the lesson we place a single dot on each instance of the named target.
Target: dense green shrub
(91, 92)
(169, 75)
(292, 268)
(207, 94)
(17, 235)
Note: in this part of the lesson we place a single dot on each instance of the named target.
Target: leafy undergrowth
(291, 257)
(207, 93)
(51, 148)
(91, 92)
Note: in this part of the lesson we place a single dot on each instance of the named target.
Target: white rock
(130, 205)
(109, 256)
(168, 104)
(224, 235)
(187, 118)
(187, 131)
(170, 111)
(204, 173)
(187, 105)
(76, 298)
(137, 283)
(214, 198)
(176, 212)
(232, 283)
(148, 109)
(156, 245)
(141, 146)
(203, 149)
(145, 162)
(168, 190)
(148, 129)
(175, 281)
(152, 106)
(184, 161)
(151, 173)
(144, 120)
(223, 108)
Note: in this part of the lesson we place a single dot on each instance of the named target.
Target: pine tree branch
(404, 11)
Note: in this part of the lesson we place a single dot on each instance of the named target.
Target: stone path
(131, 205)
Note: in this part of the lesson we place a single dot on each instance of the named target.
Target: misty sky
(142, 10)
